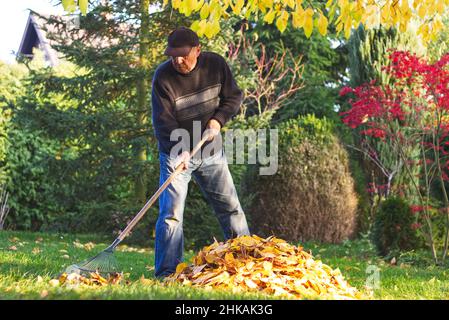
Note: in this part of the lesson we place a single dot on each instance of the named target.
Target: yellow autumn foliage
(271, 265)
(343, 14)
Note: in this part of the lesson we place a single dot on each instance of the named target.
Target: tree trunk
(142, 94)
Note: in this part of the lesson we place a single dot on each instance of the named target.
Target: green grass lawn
(28, 261)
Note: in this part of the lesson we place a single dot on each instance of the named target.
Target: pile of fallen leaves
(251, 263)
(93, 279)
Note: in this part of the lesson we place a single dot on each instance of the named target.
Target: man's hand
(212, 128)
(183, 159)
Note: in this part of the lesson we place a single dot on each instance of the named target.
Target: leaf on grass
(94, 279)
(14, 239)
(54, 282)
(44, 293)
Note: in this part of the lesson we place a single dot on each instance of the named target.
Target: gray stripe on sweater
(197, 97)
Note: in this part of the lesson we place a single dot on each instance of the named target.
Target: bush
(311, 196)
(392, 227)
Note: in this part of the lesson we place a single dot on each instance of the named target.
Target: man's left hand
(213, 128)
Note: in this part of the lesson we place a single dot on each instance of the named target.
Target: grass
(28, 261)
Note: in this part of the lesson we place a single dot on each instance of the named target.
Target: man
(193, 88)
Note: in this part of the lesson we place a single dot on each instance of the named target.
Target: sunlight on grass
(28, 261)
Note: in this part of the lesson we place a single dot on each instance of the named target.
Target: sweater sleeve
(230, 97)
(164, 121)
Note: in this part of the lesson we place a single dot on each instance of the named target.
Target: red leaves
(417, 102)
(345, 90)
(418, 88)
(376, 133)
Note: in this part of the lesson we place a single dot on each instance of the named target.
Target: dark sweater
(208, 91)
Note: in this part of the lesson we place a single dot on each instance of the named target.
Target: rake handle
(150, 202)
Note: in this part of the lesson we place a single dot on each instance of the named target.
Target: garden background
(362, 174)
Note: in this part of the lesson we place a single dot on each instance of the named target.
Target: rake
(105, 262)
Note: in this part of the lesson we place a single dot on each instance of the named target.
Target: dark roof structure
(41, 34)
(35, 37)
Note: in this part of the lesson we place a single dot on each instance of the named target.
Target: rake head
(103, 263)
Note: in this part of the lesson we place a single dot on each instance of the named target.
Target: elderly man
(193, 90)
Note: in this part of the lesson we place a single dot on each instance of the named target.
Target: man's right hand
(183, 159)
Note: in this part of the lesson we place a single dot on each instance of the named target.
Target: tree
(344, 14)
(368, 52)
(412, 113)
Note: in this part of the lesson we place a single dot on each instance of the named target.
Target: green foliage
(11, 87)
(369, 50)
(32, 200)
(392, 228)
(324, 62)
(311, 196)
(69, 154)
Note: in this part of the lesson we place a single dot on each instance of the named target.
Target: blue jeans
(215, 181)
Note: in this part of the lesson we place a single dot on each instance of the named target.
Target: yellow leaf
(308, 25)
(289, 3)
(267, 265)
(246, 241)
(229, 258)
(180, 267)
(202, 25)
(204, 13)
(188, 7)
(298, 18)
(250, 284)
(83, 6)
(309, 12)
(282, 21)
(406, 13)
(216, 12)
(176, 4)
(198, 5)
(440, 7)
(54, 282)
(385, 13)
(267, 3)
(269, 17)
(212, 29)
(436, 26)
(69, 5)
(422, 11)
(347, 27)
(322, 25)
(238, 6)
(195, 26)
(249, 265)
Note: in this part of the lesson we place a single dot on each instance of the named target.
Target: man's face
(187, 63)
